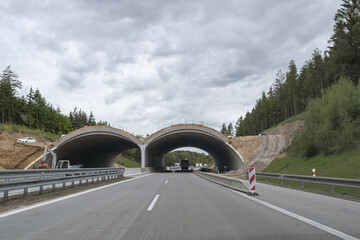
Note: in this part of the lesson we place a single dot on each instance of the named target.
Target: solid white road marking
(166, 181)
(12, 212)
(152, 204)
(301, 218)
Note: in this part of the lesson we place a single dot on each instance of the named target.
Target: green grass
(344, 165)
(127, 162)
(24, 129)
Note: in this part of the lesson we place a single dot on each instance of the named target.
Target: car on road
(26, 139)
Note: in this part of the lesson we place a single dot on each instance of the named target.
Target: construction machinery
(228, 135)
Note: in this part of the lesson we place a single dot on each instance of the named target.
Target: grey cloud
(174, 59)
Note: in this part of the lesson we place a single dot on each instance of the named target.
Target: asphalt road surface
(184, 206)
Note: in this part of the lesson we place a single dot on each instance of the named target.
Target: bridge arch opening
(191, 135)
(95, 146)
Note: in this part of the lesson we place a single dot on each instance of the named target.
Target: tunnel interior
(219, 150)
(94, 150)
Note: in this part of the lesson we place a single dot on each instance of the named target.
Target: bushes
(332, 124)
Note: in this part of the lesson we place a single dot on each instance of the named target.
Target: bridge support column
(143, 150)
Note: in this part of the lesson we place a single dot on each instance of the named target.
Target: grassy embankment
(127, 162)
(26, 130)
(343, 165)
(329, 140)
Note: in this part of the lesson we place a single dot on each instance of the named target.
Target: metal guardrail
(332, 182)
(14, 180)
(233, 183)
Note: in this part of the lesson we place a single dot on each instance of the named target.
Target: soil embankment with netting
(259, 151)
(18, 155)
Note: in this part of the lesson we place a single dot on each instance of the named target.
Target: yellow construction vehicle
(228, 135)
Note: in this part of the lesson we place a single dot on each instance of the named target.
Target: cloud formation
(142, 65)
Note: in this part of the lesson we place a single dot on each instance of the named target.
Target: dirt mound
(259, 151)
(289, 130)
(18, 155)
(271, 147)
(248, 146)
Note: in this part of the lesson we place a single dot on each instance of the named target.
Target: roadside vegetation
(329, 141)
(126, 162)
(343, 165)
(332, 123)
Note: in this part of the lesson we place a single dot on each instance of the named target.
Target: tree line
(34, 111)
(292, 91)
(193, 157)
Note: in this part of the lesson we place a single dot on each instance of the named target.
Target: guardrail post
(72, 184)
(25, 192)
(6, 195)
(332, 189)
(53, 187)
(41, 189)
(302, 185)
(64, 185)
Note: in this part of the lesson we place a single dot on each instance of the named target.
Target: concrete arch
(94, 146)
(215, 143)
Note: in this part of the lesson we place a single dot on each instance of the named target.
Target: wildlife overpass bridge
(98, 146)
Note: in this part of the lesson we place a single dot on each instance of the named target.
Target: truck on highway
(184, 165)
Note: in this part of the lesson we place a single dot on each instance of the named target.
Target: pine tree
(345, 49)
(223, 128)
(230, 128)
(30, 99)
(91, 121)
(9, 84)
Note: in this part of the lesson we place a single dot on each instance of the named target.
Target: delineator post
(252, 180)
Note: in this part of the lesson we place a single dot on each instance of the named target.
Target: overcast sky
(142, 65)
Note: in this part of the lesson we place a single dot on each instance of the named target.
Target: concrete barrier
(233, 183)
(132, 171)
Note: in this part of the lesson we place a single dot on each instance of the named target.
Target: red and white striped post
(252, 179)
(313, 171)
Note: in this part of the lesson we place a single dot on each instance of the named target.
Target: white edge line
(152, 204)
(166, 181)
(19, 210)
(301, 218)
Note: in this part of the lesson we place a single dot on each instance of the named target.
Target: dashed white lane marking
(152, 204)
(166, 181)
(12, 212)
(301, 218)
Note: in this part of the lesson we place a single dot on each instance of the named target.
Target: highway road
(184, 206)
